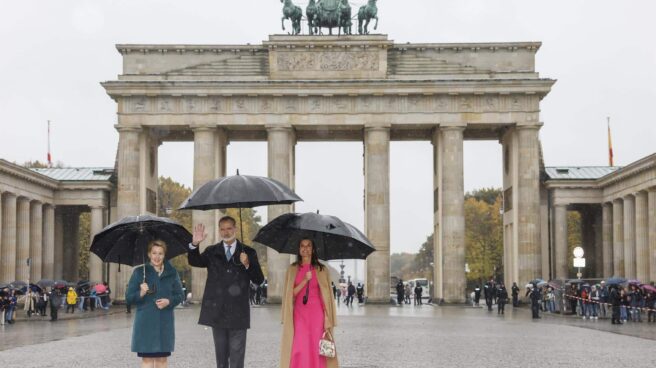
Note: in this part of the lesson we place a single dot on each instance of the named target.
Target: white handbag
(327, 345)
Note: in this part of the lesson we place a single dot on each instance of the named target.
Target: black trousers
(53, 312)
(615, 318)
(488, 301)
(500, 308)
(535, 308)
(229, 347)
(515, 300)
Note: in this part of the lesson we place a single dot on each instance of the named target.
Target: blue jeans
(593, 309)
(9, 314)
(552, 306)
(623, 315)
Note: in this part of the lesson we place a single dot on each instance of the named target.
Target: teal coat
(154, 329)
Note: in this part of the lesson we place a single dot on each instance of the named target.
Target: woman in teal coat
(155, 296)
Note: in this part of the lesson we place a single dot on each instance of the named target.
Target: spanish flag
(610, 146)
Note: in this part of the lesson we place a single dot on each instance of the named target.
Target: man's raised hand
(199, 235)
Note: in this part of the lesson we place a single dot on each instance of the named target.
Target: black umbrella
(126, 241)
(239, 191)
(18, 284)
(333, 238)
(60, 284)
(44, 283)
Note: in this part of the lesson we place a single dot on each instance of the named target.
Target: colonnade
(210, 144)
(45, 234)
(624, 237)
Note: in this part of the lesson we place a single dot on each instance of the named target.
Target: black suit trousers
(230, 347)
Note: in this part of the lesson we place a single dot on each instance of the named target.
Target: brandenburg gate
(342, 88)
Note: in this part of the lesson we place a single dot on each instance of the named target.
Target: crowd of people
(36, 301)
(347, 293)
(621, 303)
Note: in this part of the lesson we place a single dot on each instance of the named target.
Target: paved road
(375, 336)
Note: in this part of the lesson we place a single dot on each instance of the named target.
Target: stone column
(22, 239)
(629, 237)
(528, 204)
(651, 224)
(71, 245)
(281, 142)
(95, 263)
(453, 215)
(438, 262)
(618, 238)
(47, 266)
(642, 237)
(377, 212)
(607, 239)
(598, 242)
(8, 261)
(36, 240)
(128, 193)
(58, 267)
(560, 239)
(204, 171)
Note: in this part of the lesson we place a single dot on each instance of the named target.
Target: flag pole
(610, 144)
(49, 156)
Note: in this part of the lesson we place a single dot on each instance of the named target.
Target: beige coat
(330, 319)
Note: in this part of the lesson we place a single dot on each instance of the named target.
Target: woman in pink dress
(306, 319)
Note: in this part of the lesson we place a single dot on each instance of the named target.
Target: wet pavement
(371, 336)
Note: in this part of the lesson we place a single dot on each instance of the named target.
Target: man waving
(231, 267)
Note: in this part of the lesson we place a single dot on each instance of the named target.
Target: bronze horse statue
(294, 14)
(366, 14)
(311, 13)
(345, 17)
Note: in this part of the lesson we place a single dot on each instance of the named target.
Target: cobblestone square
(371, 336)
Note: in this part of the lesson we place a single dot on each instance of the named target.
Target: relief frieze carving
(341, 104)
(328, 61)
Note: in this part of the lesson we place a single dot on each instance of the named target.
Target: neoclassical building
(618, 219)
(350, 88)
(40, 220)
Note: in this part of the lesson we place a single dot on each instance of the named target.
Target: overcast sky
(603, 54)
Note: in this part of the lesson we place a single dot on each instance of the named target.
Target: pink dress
(308, 324)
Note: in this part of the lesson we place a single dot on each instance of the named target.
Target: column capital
(535, 126)
(202, 128)
(447, 127)
(380, 127)
(629, 197)
(279, 127)
(618, 200)
(128, 128)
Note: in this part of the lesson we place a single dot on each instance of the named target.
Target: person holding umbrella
(308, 311)
(155, 289)
(231, 267)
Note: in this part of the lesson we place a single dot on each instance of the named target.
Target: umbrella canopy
(648, 288)
(333, 238)
(239, 191)
(615, 280)
(35, 288)
(576, 281)
(44, 283)
(60, 284)
(100, 288)
(18, 284)
(538, 282)
(635, 282)
(126, 241)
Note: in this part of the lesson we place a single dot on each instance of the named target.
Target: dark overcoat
(154, 329)
(225, 300)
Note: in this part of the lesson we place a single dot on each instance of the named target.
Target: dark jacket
(154, 328)
(225, 300)
(502, 294)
